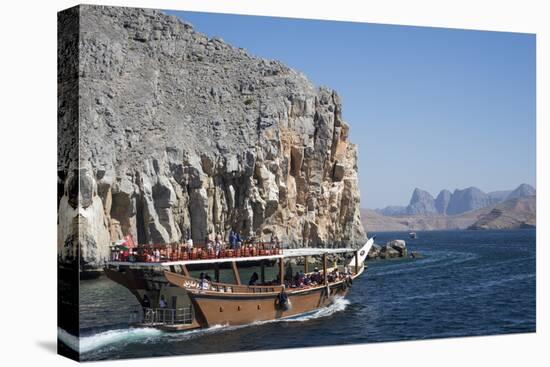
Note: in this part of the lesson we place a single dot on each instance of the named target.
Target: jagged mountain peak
(419, 195)
(422, 202)
(457, 202)
(522, 191)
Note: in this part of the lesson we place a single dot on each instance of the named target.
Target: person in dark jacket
(145, 302)
(233, 240)
(253, 279)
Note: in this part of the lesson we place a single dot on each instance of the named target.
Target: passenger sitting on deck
(347, 271)
(332, 276)
(299, 279)
(162, 302)
(253, 279)
(302, 278)
(190, 244)
(296, 280)
(316, 276)
(203, 283)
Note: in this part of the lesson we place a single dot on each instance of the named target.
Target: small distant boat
(412, 235)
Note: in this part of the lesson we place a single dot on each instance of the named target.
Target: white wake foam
(339, 304)
(88, 343)
(112, 337)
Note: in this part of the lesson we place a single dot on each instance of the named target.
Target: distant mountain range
(519, 212)
(468, 208)
(458, 202)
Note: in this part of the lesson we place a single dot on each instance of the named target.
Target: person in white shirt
(203, 283)
(157, 255)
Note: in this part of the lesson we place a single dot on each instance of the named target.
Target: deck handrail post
(184, 270)
(282, 270)
(236, 272)
(305, 265)
(325, 268)
(262, 272)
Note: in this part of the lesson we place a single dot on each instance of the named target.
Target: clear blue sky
(431, 108)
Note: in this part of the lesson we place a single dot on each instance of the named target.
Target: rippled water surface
(466, 283)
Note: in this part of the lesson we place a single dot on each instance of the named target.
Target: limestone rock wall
(182, 135)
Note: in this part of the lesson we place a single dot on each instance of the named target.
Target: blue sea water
(466, 283)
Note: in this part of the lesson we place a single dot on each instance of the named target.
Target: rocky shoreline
(391, 250)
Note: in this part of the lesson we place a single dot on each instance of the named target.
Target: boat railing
(144, 253)
(194, 283)
(204, 285)
(168, 316)
(233, 288)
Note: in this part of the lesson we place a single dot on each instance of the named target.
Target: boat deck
(286, 253)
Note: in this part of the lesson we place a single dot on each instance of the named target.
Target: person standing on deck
(210, 240)
(145, 302)
(233, 240)
(157, 255)
(162, 302)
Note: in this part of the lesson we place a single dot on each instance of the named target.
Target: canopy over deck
(286, 253)
(314, 251)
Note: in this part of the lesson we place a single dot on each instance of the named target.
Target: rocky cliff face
(442, 201)
(466, 200)
(182, 135)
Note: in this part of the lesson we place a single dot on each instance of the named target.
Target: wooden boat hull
(215, 309)
(234, 308)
